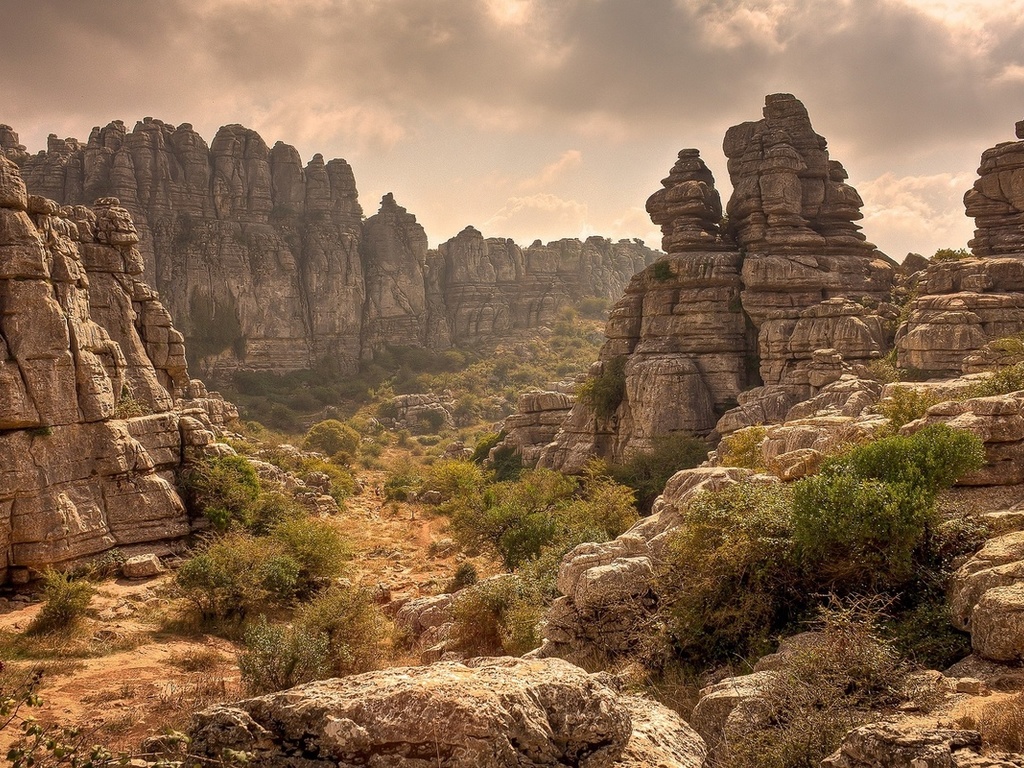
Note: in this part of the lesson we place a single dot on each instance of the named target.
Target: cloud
(547, 216)
(551, 172)
(916, 213)
(412, 88)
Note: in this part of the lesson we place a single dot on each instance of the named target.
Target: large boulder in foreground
(484, 712)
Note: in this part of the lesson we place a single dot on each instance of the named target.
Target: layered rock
(746, 318)
(82, 342)
(963, 304)
(266, 264)
(486, 712)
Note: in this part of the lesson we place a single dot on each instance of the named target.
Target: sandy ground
(126, 675)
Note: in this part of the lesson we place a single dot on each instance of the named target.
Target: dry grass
(1000, 723)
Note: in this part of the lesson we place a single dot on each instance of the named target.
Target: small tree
(331, 437)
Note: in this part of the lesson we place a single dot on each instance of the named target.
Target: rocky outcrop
(964, 303)
(85, 348)
(266, 264)
(890, 745)
(781, 300)
(484, 712)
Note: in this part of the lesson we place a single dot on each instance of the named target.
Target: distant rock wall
(267, 264)
(964, 304)
(748, 314)
(82, 342)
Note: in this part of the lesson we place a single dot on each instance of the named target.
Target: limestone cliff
(751, 313)
(83, 344)
(962, 304)
(267, 264)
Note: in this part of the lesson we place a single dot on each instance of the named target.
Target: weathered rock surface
(789, 296)
(608, 589)
(964, 304)
(888, 745)
(265, 263)
(486, 712)
(85, 347)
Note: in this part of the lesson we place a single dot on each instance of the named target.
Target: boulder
(486, 712)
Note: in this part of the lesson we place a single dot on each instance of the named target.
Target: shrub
(507, 463)
(453, 477)
(513, 518)
(223, 489)
(905, 405)
(236, 575)
(950, 254)
(484, 445)
(352, 624)
(465, 576)
(497, 617)
(315, 545)
(646, 472)
(605, 391)
(730, 580)
(401, 482)
(820, 693)
(1002, 382)
(271, 509)
(330, 437)
(854, 530)
(277, 657)
(66, 601)
(743, 448)
(661, 271)
(862, 520)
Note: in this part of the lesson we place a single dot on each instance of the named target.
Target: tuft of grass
(66, 603)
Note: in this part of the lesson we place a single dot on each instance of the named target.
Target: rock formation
(83, 344)
(266, 264)
(758, 312)
(485, 712)
(963, 304)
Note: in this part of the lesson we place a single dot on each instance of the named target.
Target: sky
(543, 118)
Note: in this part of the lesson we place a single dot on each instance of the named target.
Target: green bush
(484, 445)
(861, 521)
(950, 254)
(605, 392)
(497, 617)
(402, 481)
(453, 477)
(236, 575)
(330, 437)
(272, 508)
(465, 576)
(731, 580)
(646, 472)
(65, 603)
(1002, 382)
(743, 448)
(352, 624)
(315, 545)
(661, 271)
(507, 463)
(223, 489)
(905, 405)
(277, 657)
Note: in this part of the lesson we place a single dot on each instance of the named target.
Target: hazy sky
(543, 118)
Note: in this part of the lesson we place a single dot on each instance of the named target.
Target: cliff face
(267, 264)
(963, 304)
(82, 342)
(744, 316)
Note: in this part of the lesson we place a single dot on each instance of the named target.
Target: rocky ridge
(747, 315)
(964, 303)
(97, 411)
(267, 264)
